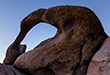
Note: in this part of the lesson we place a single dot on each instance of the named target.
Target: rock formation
(9, 70)
(69, 52)
(100, 64)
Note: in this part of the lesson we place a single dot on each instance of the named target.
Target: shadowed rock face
(13, 52)
(69, 52)
(9, 70)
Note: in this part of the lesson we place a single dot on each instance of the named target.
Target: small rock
(9, 70)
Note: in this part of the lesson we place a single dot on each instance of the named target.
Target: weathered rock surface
(100, 64)
(9, 70)
(69, 52)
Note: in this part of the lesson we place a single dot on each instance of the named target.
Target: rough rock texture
(69, 52)
(100, 64)
(9, 70)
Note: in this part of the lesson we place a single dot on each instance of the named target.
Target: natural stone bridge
(69, 52)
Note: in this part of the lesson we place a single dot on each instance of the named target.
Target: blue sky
(13, 11)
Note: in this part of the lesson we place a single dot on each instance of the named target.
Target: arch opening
(39, 33)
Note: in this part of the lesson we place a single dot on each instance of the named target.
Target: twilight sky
(13, 11)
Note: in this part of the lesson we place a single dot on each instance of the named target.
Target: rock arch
(79, 37)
